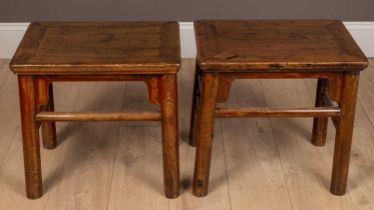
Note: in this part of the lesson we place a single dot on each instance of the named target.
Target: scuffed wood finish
(204, 136)
(271, 45)
(98, 116)
(277, 112)
(268, 49)
(153, 93)
(49, 135)
(344, 133)
(169, 110)
(30, 136)
(149, 79)
(98, 48)
(224, 88)
(119, 51)
(335, 85)
(320, 123)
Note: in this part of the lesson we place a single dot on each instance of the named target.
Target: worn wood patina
(249, 49)
(120, 51)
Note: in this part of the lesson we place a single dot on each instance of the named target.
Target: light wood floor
(256, 164)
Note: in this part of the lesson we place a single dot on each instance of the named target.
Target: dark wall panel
(187, 10)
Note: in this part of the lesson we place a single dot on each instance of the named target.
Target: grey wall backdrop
(186, 10)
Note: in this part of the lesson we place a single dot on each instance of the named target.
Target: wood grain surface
(270, 45)
(98, 47)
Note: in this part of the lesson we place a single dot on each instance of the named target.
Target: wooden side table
(229, 50)
(122, 51)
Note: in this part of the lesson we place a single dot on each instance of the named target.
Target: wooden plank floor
(257, 163)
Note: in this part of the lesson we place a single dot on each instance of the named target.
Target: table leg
(320, 123)
(204, 137)
(30, 136)
(195, 108)
(169, 109)
(344, 133)
(49, 128)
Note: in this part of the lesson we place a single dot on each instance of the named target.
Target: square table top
(98, 48)
(276, 45)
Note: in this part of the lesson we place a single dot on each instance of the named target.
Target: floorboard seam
(277, 147)
(225, 161)
(118, 142)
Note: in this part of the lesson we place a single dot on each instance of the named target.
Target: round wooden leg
(194, 112)
(204, 137)
(30, 136)
(168, 90)
(344, 133)
(49, 136)
(320, 123)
